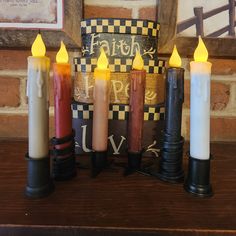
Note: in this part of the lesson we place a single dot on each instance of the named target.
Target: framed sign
(57, 19)
(41, 14)
(182, 21)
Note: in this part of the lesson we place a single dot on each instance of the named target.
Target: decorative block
(120, 26)
(118, 117)
(83, 64)
(84, 82)
(119, 45)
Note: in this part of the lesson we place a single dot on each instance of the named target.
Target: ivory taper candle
(37, 91)
(39, 182)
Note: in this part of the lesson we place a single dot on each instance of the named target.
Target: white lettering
(93, 37)
(116, 149)
(117, 90)
(84, 131)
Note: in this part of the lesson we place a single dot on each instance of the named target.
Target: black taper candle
(174, 101)
(170, 168)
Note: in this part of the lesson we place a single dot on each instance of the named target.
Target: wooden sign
(84, 83)
(53, 17)
(39, 14)
(119, 45)
(117, 138)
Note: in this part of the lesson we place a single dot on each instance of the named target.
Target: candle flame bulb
(138, 63)
(175, 60)
(201, 53)
(38, 48)
(102, 62)
(62, 55)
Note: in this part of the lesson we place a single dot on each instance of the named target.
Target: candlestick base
(134, 162)
(99, 162)
(64, 164)
(39, 181)
(171, 162)
(198, 178)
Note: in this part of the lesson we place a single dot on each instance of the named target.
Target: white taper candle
(200, 71)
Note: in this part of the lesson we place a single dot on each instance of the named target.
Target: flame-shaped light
(201, 53)
(62, 55)
(102, 62)
(38, 48)
(175, 60)
(138, 63)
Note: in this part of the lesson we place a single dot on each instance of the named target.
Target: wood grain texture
(154, 93)
(167, 13)
(113, 204)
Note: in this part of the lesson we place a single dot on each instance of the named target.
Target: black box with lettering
(120, 39)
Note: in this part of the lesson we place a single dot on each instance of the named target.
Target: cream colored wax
(37, 92)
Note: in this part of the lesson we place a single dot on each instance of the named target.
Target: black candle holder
(171, 162)
(39, 181)
(64, 164)
(134, 162)
(198, 178)
(99, 162)
(171, 156)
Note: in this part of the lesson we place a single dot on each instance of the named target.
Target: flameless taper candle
(37, 91)
(199, 163)
(172, 152)
(136, 112)
(62, 93)
(39, 182)
(64, 159)
(100, 112)
(174, 98)
(200, 70)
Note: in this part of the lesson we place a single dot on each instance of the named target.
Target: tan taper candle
(101, 104)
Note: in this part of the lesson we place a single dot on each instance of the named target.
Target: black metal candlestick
(99, 162)
(39, 181)
(198, 177)
(172, 152)
(64, 164)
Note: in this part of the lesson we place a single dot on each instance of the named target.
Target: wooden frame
(217, 47)
(69, 32)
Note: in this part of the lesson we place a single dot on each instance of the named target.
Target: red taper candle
(136, 113)
(62, 94)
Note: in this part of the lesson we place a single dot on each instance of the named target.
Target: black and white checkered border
(120, 26)
(83, 64)
(118, 112)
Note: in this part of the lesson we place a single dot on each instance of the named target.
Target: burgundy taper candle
(136, 112)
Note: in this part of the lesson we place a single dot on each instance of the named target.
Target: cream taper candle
(37, 92)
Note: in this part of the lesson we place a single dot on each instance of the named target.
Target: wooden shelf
(115, 205)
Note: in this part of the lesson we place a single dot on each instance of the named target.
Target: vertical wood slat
(198, 12)
(232, 18)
